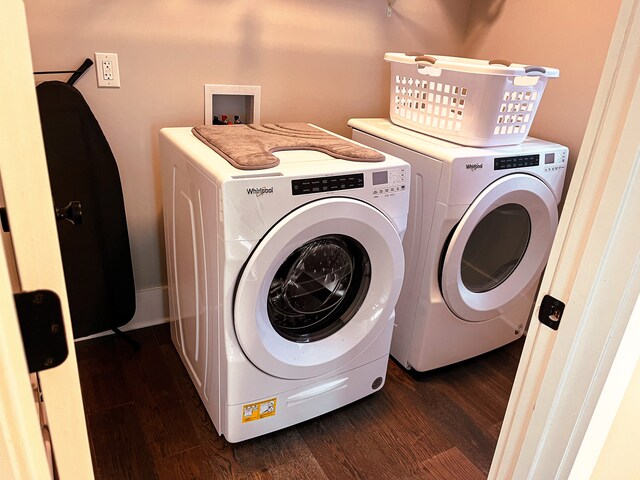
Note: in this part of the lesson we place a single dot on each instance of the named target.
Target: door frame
(29, 204)
(594, 268)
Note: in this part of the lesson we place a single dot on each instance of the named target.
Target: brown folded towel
(251, 147)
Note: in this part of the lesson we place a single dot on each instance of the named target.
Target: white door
(499, 248)
(594, 267)
(22, 452)
(319, 287)
(27, 194)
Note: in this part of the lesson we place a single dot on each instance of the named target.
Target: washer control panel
(327, 184)
(387, 183)
(382, 183)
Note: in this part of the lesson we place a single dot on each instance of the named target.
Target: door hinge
(551, 312)
(42, 326)
(4, 220)
(72, 213)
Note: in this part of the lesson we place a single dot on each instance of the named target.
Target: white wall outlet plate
(107, 70)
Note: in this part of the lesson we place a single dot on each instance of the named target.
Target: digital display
(516, 162)
(380, 178)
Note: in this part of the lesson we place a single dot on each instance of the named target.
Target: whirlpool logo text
(259, 191)
(473, 166)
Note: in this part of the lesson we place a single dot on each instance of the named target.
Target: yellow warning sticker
(259, 410)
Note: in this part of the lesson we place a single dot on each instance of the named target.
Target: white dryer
(481, 224)
(282, 281)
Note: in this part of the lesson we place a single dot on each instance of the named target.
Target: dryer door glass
(495, 247)
(498, 249)
(318, 288)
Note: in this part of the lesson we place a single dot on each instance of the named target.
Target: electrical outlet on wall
(107, 70)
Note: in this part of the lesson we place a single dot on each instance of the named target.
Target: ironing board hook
(76, 73)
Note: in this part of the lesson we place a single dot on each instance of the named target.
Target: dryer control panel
(552, 161)
(518, 161)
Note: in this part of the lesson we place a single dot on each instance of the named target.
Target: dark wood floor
(146, 421)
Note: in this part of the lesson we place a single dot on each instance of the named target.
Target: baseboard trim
(152, 308)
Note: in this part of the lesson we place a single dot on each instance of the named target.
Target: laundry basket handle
(425, 58)
(535, 69)
(527, 70)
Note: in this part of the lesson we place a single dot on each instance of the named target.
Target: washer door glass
(318, 288)
(495, 247)
(499, 248)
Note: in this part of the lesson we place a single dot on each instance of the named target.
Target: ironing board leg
(134, 343)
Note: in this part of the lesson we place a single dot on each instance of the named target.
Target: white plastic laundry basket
(471, 102)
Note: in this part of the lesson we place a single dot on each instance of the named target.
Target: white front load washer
(283, 281)
(481, 224)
